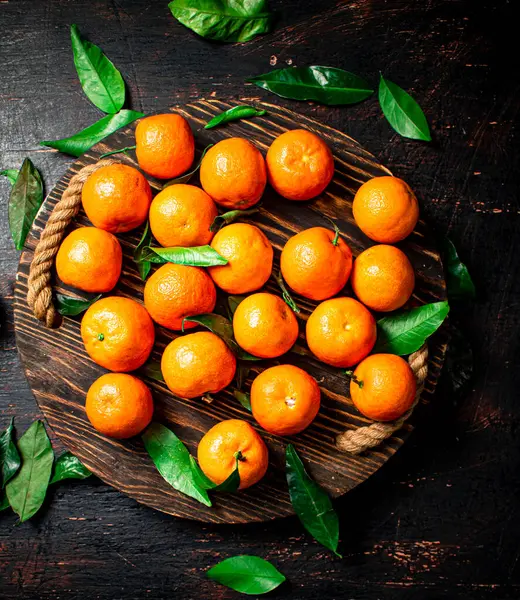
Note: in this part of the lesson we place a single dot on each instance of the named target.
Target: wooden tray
(60, 372)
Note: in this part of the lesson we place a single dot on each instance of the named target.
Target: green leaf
(459, 284)
(405, 332)
(143, 266)
(234, 114)
(241, 374)
(152, 370)
(82, 141)
(247, 574)
(172, 459)
(230, 484)
(402, 111)
(187, 176)
(230, 216)
(24, 202)
(326, 85)
(223, 20)
(100, 80)
(288, 299)
(233, 302)
(220, 326)
(197, 256)
(70, 307)
(244, 399)
(68, 466)
(4, 503)
(26, 490)
(11, 175)
(311, 503)
(9, 457)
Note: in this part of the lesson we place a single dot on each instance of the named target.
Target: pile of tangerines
(316, 263)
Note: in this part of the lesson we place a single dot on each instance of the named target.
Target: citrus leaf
(187, 176)
(223, 20)
(326, 85)
(172, 459)
(143, 266)
(68, 466)
(311, 503)
(82, 141)
(100, 80)
(9, 458)
(11, 175)
(26, 490)
(288, 299)
(198, 256)
(241, 374)
(230, 216)
(152, 370)
(244, 399)
(70, 307)
(4, 503)
(220, 326)
(24, 202)
(233, 302)
(247, 574)
(230, 484)
(406, 331)
(402, 111)
(234, 114)
(459, 284)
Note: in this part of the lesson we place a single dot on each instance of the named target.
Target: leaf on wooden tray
(230, 484)
(70, 307)
(152, 370)
(173, 461)
(26, 490)
(247, 574)
(233, 302)
(100, 80)
(11, 175)
(223, 20)
(197, 256)
(244, 399)
(241, 374)
(187, 176)
(143, 266)
(220, 326)
(326, 85)
(229, 217)
(9, 457)
(402, 111)
(24, 202)
(82, 141)
(406, 331)
(235, 114)
(68, 466)
(311, 503)
(459, 284)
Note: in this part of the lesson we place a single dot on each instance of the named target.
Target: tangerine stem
(239, 456)
(118, 151)
(335, 241)
(352, 377)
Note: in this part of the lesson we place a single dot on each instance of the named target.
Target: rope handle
(39, 294)
(358, 440)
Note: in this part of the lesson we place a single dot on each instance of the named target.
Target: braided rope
(39, 294)
(358, 440)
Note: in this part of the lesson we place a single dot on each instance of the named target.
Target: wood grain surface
(441, 520)
(60, 372)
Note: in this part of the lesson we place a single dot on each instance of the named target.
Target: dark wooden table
(442, 519)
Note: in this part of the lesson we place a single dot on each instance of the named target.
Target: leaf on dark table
(100, 80)
(311, 503)
(402, 111)
(243, 398)
(82, 141)
(172, 459)
(241, 374)
(233, 302)
(459, 284)
(187, 176)
(326, 85)
(24, 202)
(197, 256)
(229, 217)
(68, 466)
(9, 457)
(11, 175)
(152, 370)
(70, 307)
(406, 331)
(247, 574)
(223, 20)
(143, 266)
(234, 114)
(288, 299)
(26, 490)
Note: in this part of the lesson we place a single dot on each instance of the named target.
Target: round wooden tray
(60, 372)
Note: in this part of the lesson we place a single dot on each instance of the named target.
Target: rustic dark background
(442, 519)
